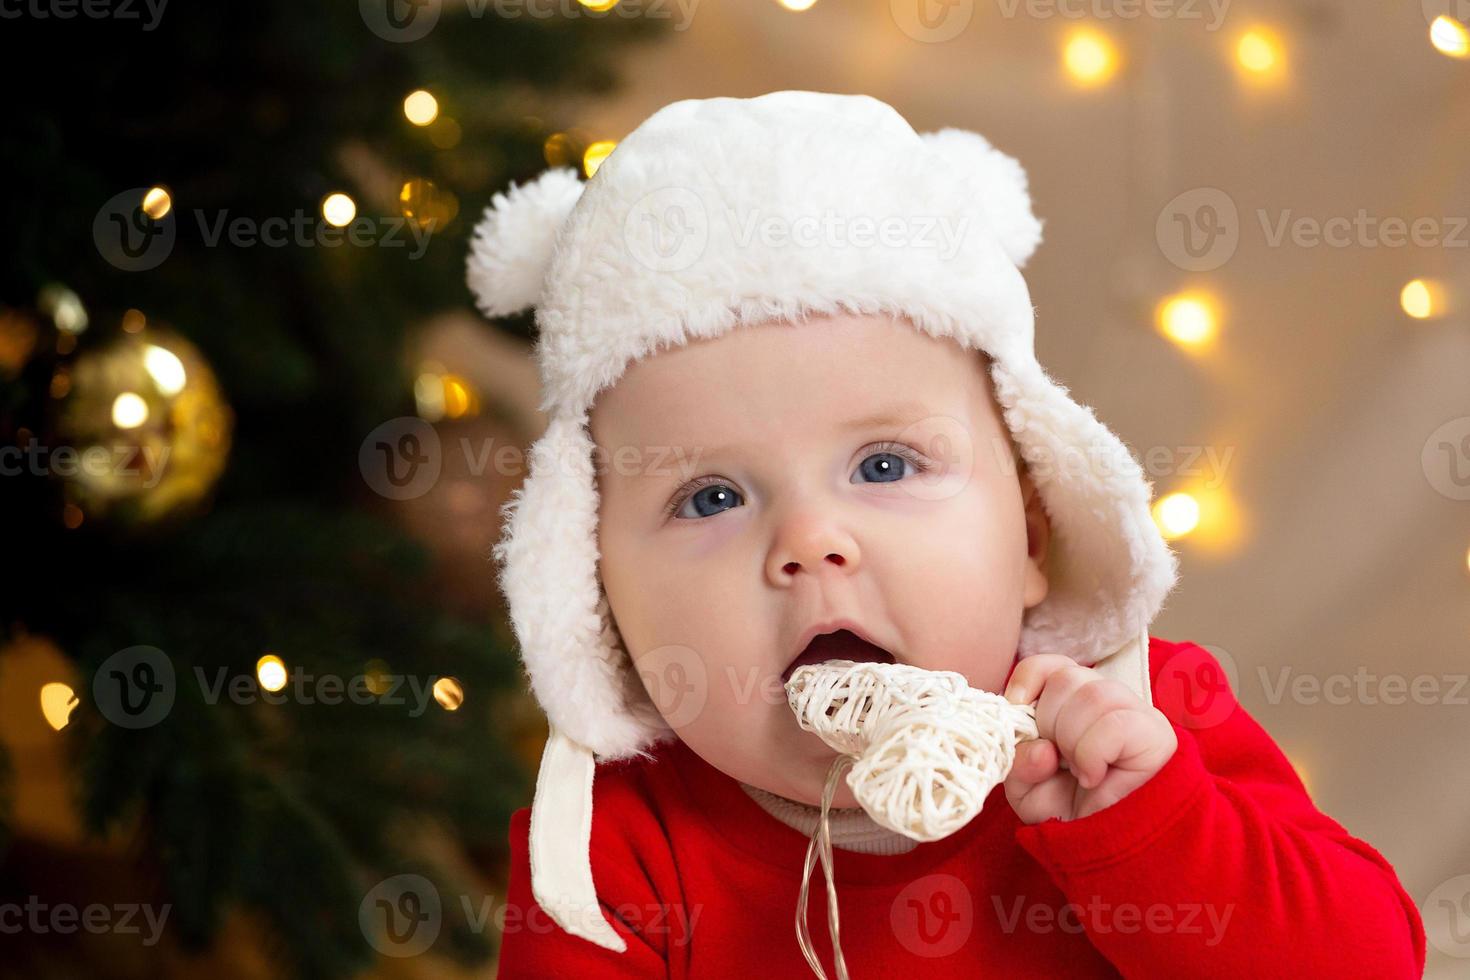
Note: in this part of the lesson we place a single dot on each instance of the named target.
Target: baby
(790, 423)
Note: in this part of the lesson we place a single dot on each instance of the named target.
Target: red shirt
(1218, 866)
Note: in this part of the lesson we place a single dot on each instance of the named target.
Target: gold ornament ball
(148, 424)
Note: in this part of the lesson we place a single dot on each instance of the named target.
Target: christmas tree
(189, 372)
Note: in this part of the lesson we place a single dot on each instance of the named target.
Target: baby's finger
(1049, 797)
(1029, 677)
(1125, 740)
(1074, 701)
(1036, 759)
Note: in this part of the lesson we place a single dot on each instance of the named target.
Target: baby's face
(783, 476)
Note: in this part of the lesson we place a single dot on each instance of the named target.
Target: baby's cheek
(963, 606)
(743, 718)
(744, 694)
(708, 697)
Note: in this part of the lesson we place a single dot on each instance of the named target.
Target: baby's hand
(1109, 738)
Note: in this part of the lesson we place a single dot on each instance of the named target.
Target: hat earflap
(514, 242)
(1002, 185)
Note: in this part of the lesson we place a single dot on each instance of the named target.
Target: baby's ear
(1003, 188)
(512, 246)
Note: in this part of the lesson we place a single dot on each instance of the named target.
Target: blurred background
(254, 437)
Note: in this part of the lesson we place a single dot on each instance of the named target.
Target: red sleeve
(532, 945)
(1220, 865)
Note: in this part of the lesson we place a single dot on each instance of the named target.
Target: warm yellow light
(420, 108)
(157, 202)
(270, 670)
(797, 5)
(459, 397)
(165, 368)
(1176, 515)
(595, 154)
(1220, 524)
(449, 693)
(1450, 37)
(1090, 58)
(1256, 52)
(1188, 319)
(1260, 53)
(426, 204)
(129, 410)
(598, 5)
(57, 703)
(338, 209)
(1418, 298)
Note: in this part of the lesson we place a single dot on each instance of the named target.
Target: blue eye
(884, 467)
(707, 501)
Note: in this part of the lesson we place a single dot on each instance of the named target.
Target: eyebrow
(890, 416)
(893, 416)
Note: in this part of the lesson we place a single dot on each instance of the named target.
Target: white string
(822, 841)
(925, 751)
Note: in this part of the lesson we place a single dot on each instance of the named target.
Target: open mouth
(840, 645)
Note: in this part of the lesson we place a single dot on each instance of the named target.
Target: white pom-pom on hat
(512, 246)
(1003, 188)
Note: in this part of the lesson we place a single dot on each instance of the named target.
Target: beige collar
(852, 829)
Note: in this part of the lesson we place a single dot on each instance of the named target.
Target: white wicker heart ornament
(924, 749)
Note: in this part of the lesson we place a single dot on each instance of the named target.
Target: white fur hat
(705, 218)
